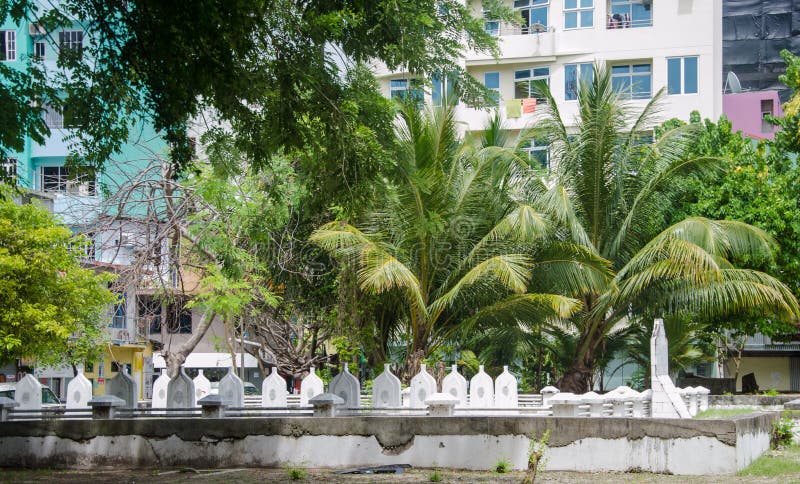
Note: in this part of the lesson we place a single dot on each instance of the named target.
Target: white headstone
(231, 389)
(273, 390)
(310, 387)
(548, 393)
(702, 398)
(505, 390)
(346, 386)
(79, 391)
(481, 390)
(666, 401)
(386, 389)
(595, 402)
(180, 391)
(423, 385)
(160, 391)
(202, 386)
(28, 393)
(455, 385)
(124, 387)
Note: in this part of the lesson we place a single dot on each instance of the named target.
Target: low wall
(776, 401)
(470, 442)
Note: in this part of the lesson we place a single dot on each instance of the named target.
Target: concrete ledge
(470, 442)
(750, 400)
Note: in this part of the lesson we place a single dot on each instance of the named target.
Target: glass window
(59, 179)
(149, 313)
(632, 81)
(119, 315)
(492, 82)
(533, 12)
(572, 81)
(578, 14)
(399, 90)
(491, 25)
(8, 170)
(179, 320)
(525, 80)
(630, 13)
(39, 49)
(682, 75)
(8, 45)
(437, 90)
(71, 39)
(538, 153)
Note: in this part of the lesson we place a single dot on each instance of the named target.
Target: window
(399, 90)
(574, 74)
(492, 82)
(682, 75)
(578, 14)
(120, 313)
(84, 246)
(630, 13)
(53, 117)
(39, 49)
(149, 313)
(632, 81)
(71, 40)
(525, 82)
(8, 45)
(8, 170)
(534, 15)
(491, 25)
(437, 92)
(767, 110)
(538, 153)
(179, 319)
(59, 179)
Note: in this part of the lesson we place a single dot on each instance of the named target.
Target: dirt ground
(329, 476)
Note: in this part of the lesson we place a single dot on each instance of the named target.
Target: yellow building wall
(772, 373)
(124, 355)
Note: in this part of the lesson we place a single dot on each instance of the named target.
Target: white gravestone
(231, 389)
(423, 385)
(455, 385)
(666, 401)
(28, 393)
(346, 386)
(505, 390)
(310, 387)
(124, 387)
(548, 393)
(273, 390)
(180, 391)
(386, 389)
(160, 392)
(202, 386)
(79, 391)
(481, 390)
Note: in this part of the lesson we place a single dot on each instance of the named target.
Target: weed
(770, 393)
(296, 473)
(782, 435)
(502, 466)
(435, 476)
(535, 457)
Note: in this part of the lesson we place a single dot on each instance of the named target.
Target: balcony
(759, 342)
(629, 14)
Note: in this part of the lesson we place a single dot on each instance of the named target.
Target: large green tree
(456, 243)
(51, 308)
(614, 193)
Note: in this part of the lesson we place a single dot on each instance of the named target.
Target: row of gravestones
(387, 391)
(28, 391)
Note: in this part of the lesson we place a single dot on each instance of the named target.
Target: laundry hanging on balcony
(529, 105)
(513, 108)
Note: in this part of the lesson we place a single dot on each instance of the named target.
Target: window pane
(541, 72)
(570, 4)
(539, 16)
(570, 20)
(587, 18)
(491, 80)
(587, 72)
(674, 76)
(524, 74)
(641, 87)
(521, 3)
(620, 69)
(399, 83)
(522, 90)
(690, 75)
(621, 84)
(641, 68)
(570, 82)
(587, 3)
(436, 91)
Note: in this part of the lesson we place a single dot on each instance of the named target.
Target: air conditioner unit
(36, 29)
(125, 240)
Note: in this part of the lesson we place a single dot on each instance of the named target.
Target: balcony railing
(617, 22)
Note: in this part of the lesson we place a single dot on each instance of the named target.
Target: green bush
(296, 473)
(782, 435)
(502, 466)
(435, 476)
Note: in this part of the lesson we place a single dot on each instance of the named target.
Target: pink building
(747, 110)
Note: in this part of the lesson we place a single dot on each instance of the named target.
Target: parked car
(250, 389)
(49, 399)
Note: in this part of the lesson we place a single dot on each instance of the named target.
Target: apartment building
(647, 45)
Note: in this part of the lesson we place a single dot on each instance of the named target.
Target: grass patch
(776, 463)
(724, 412)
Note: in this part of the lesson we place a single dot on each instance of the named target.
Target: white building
(647, 45)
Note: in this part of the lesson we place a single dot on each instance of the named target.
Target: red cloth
(529, 105)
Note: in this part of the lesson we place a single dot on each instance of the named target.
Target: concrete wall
(772, 373)
(473, 442)
(744, 111)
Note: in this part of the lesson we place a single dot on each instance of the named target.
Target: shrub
(502, 466)
(296, 473)
(782, 432)
(435, 476)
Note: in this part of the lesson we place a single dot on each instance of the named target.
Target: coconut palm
(613, 193)
(458, 239)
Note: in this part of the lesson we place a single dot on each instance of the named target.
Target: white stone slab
(273, 390)
(160, 392)
(310, 387)
(666, 401)
(454, 384)
(423, 385)
(124, 387)
(28, 393)
(79, 391)
(202, 386)
(481, 390)
(231, 389)
(180, 391)
(386, 389)
(505, 390)
(347, 387)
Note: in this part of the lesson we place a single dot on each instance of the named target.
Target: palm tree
(457, 239)
(612, 193)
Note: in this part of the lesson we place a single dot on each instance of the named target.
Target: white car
(49, 399)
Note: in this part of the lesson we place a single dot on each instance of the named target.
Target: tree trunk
(578, 378)
(174, 359)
